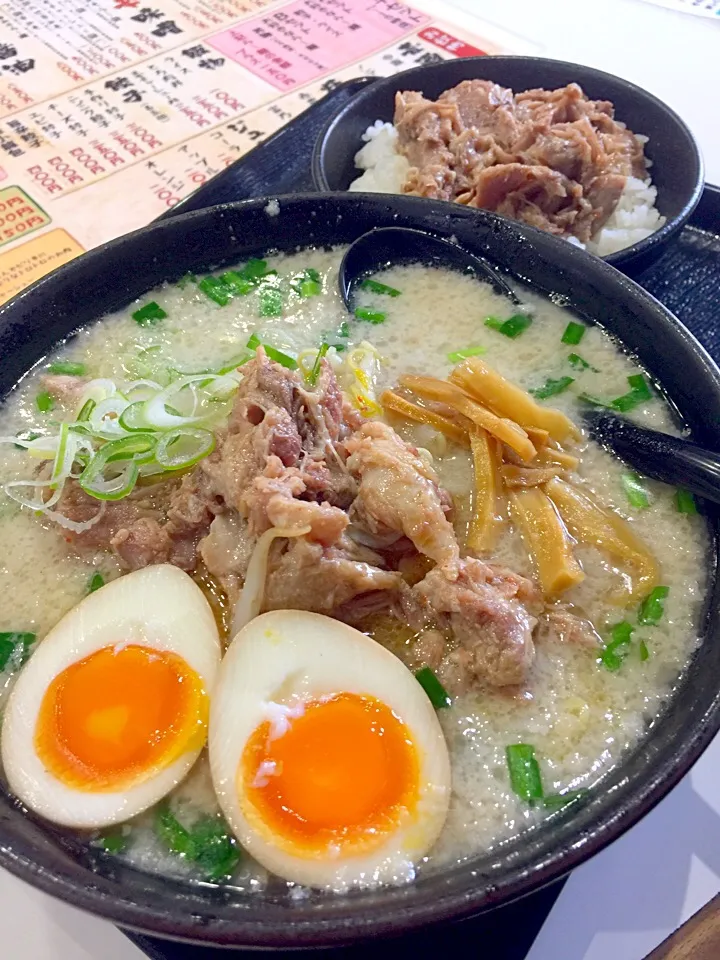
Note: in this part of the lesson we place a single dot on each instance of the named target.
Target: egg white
(159, 607)
(283, 658)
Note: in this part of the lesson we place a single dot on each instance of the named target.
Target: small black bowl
(677, 168)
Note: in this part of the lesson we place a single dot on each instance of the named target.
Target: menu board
(111, 111)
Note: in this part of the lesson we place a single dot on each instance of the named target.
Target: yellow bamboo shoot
(411, 411)
(482, 526)
(507, 400)
(592, 525)
(534, 476)
(549, 544)
(509, 432)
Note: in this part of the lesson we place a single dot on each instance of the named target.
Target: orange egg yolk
(119, 716)
(343, 775)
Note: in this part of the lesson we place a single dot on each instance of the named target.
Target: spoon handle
(659, 455)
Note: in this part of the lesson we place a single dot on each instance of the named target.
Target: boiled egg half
(111, 711)
(326, 754)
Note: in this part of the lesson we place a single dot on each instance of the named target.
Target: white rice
(634, 218)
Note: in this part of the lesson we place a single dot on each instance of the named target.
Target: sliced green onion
(685, 501)
(194, 445)
(86, 409)
(67, 367)
(27, 436)
(618, 648)
(556, 801)
(466, 352)
(652, 609)
(236, 362)
(437, 694)
(254, 342)
(216, 290)
(271, 301)
(525, 778)
(512, 327)
(255, 268)
(208, 843)
(634, 490)
(97, 580)
(133, 417)
(370, 316)
(92, 480)
(149, 314)
(643, 650)
(307, 283)
(552, 387)
(574, 332)
(344, 330)
(312, 377)
(594, 401)
(15, 648)
(577, 361)
(277, 355)
(639, 393)
(374, 286)
(239, 284)
(44, 402)
(112, 842)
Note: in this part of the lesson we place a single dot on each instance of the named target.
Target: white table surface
(631, 896)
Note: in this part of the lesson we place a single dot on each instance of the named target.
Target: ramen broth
(580, 717)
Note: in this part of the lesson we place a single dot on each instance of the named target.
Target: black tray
(686, 279)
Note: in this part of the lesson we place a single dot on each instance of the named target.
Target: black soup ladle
(658, 455)
(390, 246)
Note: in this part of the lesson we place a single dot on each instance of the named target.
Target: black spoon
(389, 246)
(659, 455)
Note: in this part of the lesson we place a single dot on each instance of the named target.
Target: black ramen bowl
(113, 275)
(677, 168)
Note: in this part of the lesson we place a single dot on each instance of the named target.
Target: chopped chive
(149, 314)
(15, 647)
(279, 357)
(44, 402)
(525, 778)
(97, 580)
(552, 387)
(685, 501)
(437, 694)
(556, 801)
(634, 490)
(216, 290)
(512, 327)
(255, 269)
(577, 361)
(466, 352)
(372, 316)
(639, 393)
(111, 842)
(254, 342)
(618, 648)
(652, 609)
(574, 332)
(312, 377)
(644, 652)
(68, 367)
(374, 286)
(594, 401)
(236, 282)
(344, 330)
(271, 301)
(307, 283)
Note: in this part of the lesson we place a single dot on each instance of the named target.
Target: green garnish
(234, 363)
(372, 316)
(254, 342)
(237, 283)
(255, 269)
(97, 580)
(574, 332)
(619, 646)
(28, 435)
(344, 330)
(307, 283)
(216, 290)
(644, 652)
(207, 843)
(525, 778)
(15, 647)
(44, 402)
(466, 352)
(68, 367)
(271, 301)
(149, 314)
(312, 378)
(113, 842)
(277, 355)
(594, 401)
(556, 801)
(437, 694)
(639, 393)
(685, 501)
(577, 361)
(652, 609)
(512, 327)
(552, 387)
(86, 410)
(374, 286)
(634, 490)
(185, 280)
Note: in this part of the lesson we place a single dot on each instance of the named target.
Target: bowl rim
(634, 251)
(23, 859)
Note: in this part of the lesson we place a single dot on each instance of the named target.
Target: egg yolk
(118, 716)
(342, 776)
